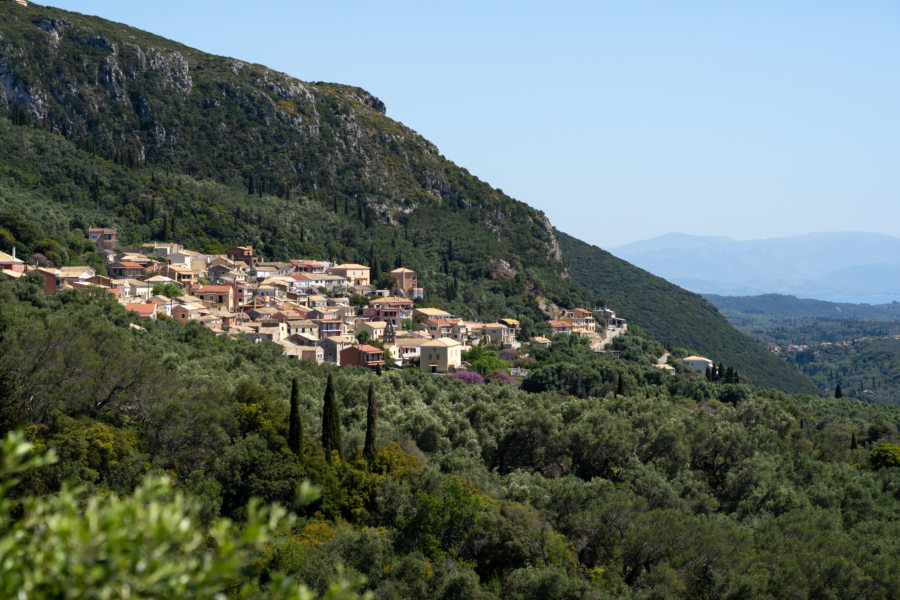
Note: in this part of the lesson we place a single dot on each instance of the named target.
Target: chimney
(14, 253)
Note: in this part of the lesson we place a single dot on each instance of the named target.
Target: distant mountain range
(839, 267)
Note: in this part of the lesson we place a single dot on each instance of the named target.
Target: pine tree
(295, 422)
(331, 421)
(371, 423)
(838, 393)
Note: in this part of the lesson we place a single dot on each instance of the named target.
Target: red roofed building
(144, 310)
(437, 328)
(561, 326)
(126, 269)
(220, 296)
(366, 356)
(391, 310)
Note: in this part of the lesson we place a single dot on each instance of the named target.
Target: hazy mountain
(830, 266)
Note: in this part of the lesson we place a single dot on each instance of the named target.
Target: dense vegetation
(675, 316)
(851, 345)
(602, 477)
(778, 308)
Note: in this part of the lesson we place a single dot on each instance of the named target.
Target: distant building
(126, 268)
(561, 327)
(442, 355)
(366, 356)
(103, 237)
(356, 274)
(242, 254)
(143, 310)
(9, 262)
(698, 364)
(407, 282)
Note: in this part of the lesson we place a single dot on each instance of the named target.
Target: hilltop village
(315, 310)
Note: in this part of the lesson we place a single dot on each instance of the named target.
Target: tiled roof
(443, 342)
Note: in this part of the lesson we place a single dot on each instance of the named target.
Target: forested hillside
(675, 316)
(608, 478)
(856, 346)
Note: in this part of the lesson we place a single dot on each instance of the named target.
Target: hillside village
(315, 310)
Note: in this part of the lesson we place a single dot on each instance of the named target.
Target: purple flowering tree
(469, 377)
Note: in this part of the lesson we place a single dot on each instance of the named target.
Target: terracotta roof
(144, 310)
(439, 322)
(214, 289)
(367, 348)
(129, 265)
(560, 324)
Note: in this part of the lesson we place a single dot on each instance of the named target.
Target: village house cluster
(303, 305)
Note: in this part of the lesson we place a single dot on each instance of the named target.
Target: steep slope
(675, 316)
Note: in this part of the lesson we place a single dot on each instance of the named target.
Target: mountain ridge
(828, 266)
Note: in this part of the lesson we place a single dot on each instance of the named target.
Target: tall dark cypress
(295, 423)
(331, 421)
(371, 423)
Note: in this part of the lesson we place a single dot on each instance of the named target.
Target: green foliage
(885, 455)
(681, 485)
(847, 345)
(148, 544)
(169, 290)
(331, 422)
(370, 446)
(295, 422)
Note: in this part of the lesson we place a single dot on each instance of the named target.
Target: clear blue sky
(620, 120)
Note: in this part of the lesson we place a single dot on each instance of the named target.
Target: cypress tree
(371, 422)
(620, 388)
(331, 421)
(838, 393)
(853, 444)
(295, 423)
